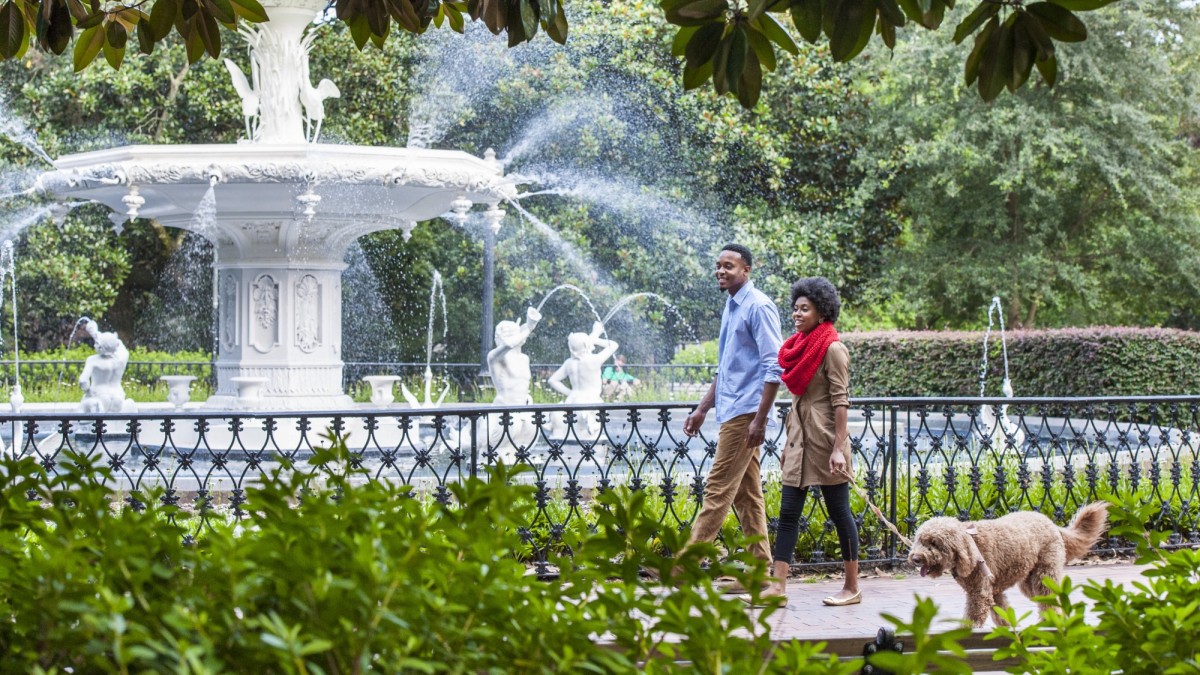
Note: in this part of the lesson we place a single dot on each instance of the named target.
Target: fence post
(894, 462)
(474, 443)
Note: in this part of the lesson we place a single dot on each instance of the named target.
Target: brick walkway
(807, 619)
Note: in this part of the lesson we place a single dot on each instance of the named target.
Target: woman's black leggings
(837, 503)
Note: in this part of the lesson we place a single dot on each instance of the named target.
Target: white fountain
(1005, 433)
(287, 210)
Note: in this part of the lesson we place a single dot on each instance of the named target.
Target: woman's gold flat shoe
(835, 602)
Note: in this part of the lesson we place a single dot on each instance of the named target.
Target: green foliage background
(1077, 205)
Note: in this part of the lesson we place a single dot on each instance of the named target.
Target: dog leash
(875, 509)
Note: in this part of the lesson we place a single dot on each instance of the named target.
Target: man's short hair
(742, 251)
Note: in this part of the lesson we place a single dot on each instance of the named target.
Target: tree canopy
(1077, 205)
(726, 42)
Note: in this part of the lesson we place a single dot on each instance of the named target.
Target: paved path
(806, 618)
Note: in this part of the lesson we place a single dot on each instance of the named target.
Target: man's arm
(691, 426)
(765, 324)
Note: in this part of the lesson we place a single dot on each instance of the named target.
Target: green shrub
(343, 575)
(701, 353)
(354, 576)
(1067, 362)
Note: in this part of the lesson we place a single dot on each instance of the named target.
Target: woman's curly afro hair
(821, 293)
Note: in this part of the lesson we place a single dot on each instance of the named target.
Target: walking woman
(816, 369)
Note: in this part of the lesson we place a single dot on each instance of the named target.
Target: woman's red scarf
(801, 356)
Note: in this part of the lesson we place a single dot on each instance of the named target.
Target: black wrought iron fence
(916, 458)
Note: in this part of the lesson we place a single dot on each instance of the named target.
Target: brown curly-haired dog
(987, 557)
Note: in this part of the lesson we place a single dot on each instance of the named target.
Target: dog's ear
(963, 550)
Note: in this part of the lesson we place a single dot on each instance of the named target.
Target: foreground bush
(341, 575)
(351, 577)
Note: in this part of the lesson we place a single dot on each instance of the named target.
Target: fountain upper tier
(358, 189)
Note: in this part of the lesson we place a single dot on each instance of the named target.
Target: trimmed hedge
(1065, 362)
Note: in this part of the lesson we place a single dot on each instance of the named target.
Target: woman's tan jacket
(809, 424)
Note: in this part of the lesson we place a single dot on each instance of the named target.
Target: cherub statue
(584, 371)
(101, 376)
(508, 365)
(511, 377)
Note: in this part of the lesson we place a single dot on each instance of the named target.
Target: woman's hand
(838, 465)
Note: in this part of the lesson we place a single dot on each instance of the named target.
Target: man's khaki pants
(734, 481)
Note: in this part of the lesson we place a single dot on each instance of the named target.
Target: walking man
(743, 393)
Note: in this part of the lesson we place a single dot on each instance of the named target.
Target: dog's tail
(1085, 528)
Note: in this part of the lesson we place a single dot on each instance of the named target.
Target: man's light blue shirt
(747, 352)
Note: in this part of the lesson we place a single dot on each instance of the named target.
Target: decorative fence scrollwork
(916, 458)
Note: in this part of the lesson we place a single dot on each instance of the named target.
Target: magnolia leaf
(378, 15)
(221, 10)
(1037, 35)
(115, 35)
(720, 62)
(193, 43)
(78, 11)
(455, 16)
(60, 30)
(1082, 5)
(694, 77)
(210, 33)
(145, 36)
(250, 10)
(806, 16)
(529, 18)
(12, 30)
(996, 64)
(750, 83)
(87, 47)
(1059, 23)
(162, 17)
(697, 12)
(932, 18)
(775, 32)
(90, 20)
(703, 45)
(912, 9)
(886, 31)
(852, 24)
(1048, 69)
(360, 32)
(891, 11)
(558, 29)
(1023, 56)
(739, 48)
(986, 10)
(762, 50)
(495, 15)
(976, 55)
(516, 29)
(679, 44)
(114, 55)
